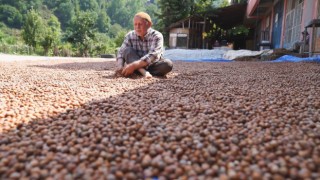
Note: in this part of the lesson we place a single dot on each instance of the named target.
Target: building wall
(252, 5)
(308, 12)
(311, 11)
(179, 38)
(294, 20)
(293, 17)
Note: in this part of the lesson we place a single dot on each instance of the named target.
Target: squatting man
(142, 50)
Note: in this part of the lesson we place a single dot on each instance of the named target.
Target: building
(281, 23)
(195, 32)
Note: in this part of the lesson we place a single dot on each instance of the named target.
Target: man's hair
(144, 16)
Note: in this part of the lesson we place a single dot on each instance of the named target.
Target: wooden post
(203, 30)
(313, 46)
(188, 38)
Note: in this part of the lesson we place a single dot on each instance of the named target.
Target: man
(142, 50)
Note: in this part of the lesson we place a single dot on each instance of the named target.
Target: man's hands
(130, 68)
(118, 71)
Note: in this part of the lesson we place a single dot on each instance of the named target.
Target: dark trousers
(158, 68)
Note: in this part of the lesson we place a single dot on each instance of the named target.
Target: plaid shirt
(150, 49)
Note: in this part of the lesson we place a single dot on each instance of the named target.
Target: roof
(185, 21)
(226, 17)
(231, 16)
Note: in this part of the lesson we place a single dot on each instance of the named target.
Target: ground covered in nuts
(76, 120)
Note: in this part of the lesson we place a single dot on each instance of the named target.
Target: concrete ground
(73, 119)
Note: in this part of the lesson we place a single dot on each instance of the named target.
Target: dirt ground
(73, 119)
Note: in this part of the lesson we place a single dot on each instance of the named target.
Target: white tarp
(207, 55)
(194, 54)
(233, 54)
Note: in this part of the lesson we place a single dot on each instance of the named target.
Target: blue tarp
(285, 58)
(288, 58)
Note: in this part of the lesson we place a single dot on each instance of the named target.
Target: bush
(119, 38)
(102, 45)
(16, 49)
(66, 50)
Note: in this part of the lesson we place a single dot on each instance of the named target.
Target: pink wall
(310, 11)
(252, 5)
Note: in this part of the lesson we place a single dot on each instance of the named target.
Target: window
(293, 23)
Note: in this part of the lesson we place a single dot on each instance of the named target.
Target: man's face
(141, 26)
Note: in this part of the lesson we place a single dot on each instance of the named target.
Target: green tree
(2, 36)
(103, 22)
(23, 5)
(52, 34)
(122, 11)
(224, 3)
(88, 5)
(152, 9)
(10, 16)
(119, 38)
(203, 6)
(133, 7)
(33, 29)
(118, 13)
(9, 35)
(82, 31)
(114, 30)
(103, 45)
(51, 4)
(65, 12)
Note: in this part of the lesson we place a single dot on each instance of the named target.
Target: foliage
(119, 38)
(11, 16)
(10, 36)
(239, 30)
(221, 3)
(16, 49)
(88, 5)
(33, 29)
(122, 11)
(65, 11)
(66, 50)
(11, 43)
(2, 35)
(202, 6)
(153, 10)
(52, 34)
(103, 22)
(35, 18)
(82, 31)
(109, 11)
(103, 45)
(38, 31)
(114, 30)
(118, 12)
